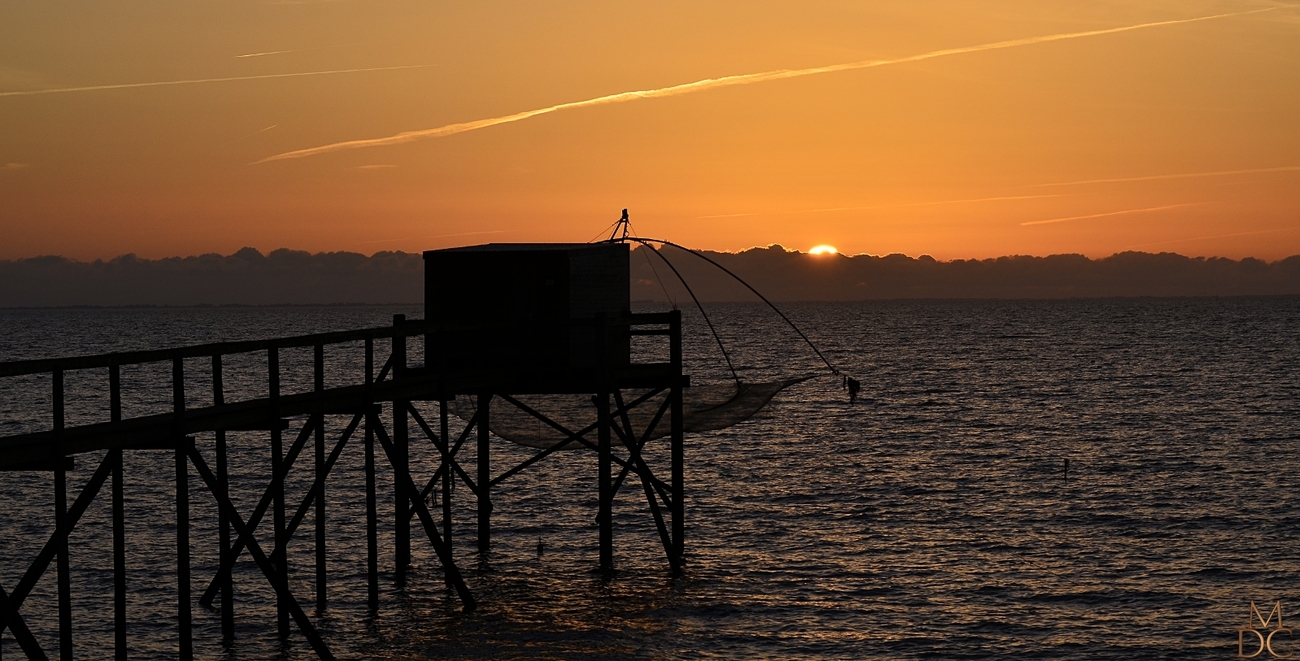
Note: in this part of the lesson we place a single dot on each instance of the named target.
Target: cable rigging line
(704, 314)
(625, 225)
(645, 241)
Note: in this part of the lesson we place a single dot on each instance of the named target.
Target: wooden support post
(372, 541)
(178, 394)
(56, 384)
(401, 464)
(184, 619)
(183, 614)
(64, 578)
(372, 514)
(60, 513)
(484, 475)
(320, 477)
(119, 521)
(446, 474)
(677, 450)
(279, 556)
(606, 514)
(223, 491)
(401, 508)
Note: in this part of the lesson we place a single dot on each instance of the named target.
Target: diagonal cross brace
(228, 562)
(272, 576)
(19, 628)
(634, 453)
(632, 465)
(573, 437)
(320, 481)
(645, 437)
(448, 457)
(42, 561)
(449, 568)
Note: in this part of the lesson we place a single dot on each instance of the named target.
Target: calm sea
(931, 519)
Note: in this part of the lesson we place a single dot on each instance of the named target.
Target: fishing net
(704, 408)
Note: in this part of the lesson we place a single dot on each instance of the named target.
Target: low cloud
(249, 277)
(793, 276)
(246, 277)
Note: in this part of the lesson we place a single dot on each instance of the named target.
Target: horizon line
(769, 246)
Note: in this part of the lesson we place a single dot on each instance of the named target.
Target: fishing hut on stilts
(530, 343)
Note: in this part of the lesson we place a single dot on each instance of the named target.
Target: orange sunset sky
(957, 129)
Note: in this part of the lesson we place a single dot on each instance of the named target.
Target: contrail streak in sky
(879, 206)
(259, 132)
(165, 83)
(270, 52)
(1184, 175)
(725, 81)
(1111, 213)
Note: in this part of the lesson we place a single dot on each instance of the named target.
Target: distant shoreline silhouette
(288, 277)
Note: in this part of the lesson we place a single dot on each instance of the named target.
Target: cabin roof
(525, 247)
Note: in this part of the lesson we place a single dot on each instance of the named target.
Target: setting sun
(823, 249)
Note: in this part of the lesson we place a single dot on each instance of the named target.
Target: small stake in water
(1065, 472)
(541, 548)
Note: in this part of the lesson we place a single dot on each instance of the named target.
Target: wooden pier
(380, 405)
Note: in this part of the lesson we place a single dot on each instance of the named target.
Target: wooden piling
(447, 474)
(183, 614)
(401, 465)
(372, 514)
(321, 597)
(678, 451)
(119, 520)
(279, 557)
(484, 460)
(605, 517)
(223, 491)
(64, 577)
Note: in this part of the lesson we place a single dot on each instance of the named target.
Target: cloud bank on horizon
(248, 277)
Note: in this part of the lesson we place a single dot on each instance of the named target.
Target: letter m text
(1263, 623)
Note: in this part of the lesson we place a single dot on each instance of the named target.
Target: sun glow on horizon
(823, 249)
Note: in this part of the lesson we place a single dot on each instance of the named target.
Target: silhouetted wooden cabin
(534, 306)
